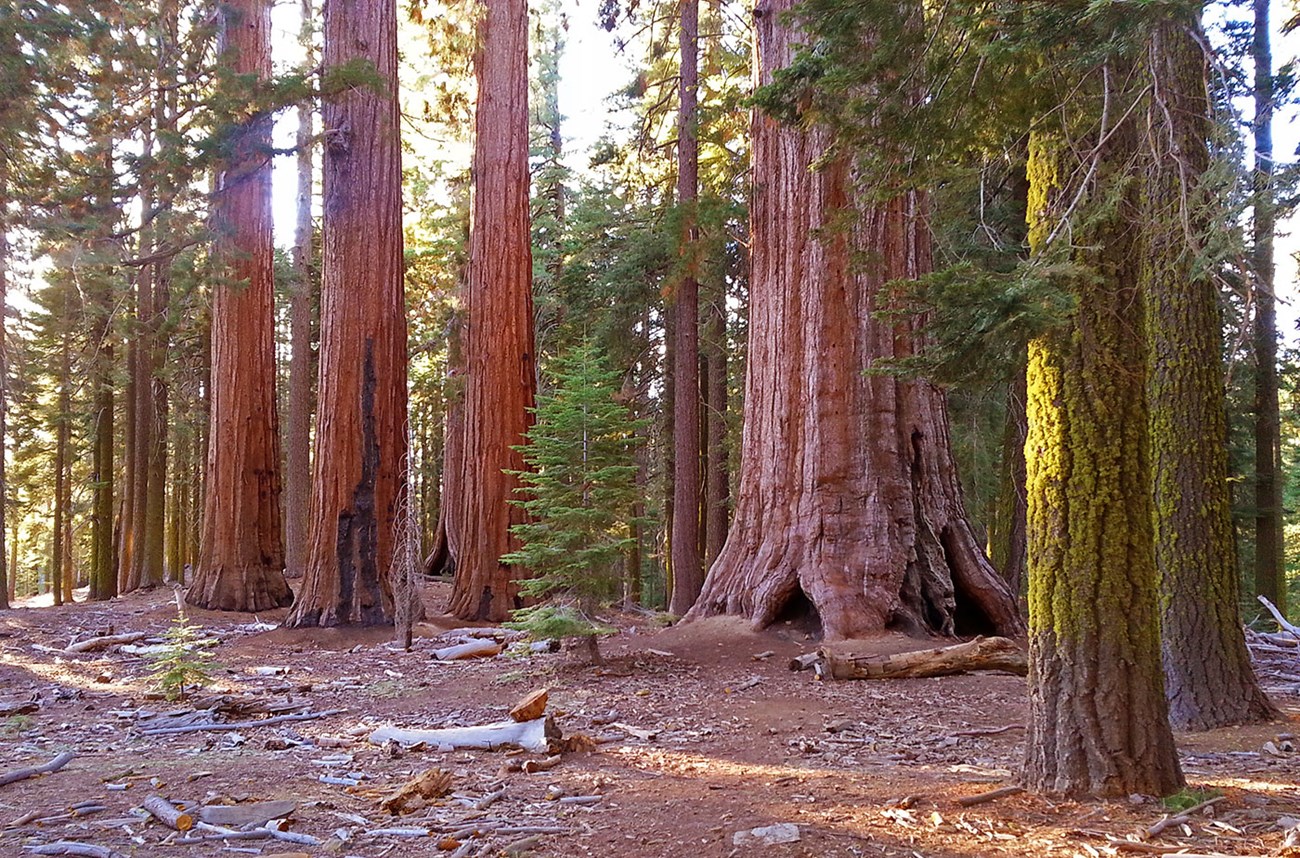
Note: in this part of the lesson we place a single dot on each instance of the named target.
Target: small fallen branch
(1180, 817)
(991, 795)
(104, 642)
(1281, 620)
(46, 768)
(537, 736)
(241, 725)
(990, 731)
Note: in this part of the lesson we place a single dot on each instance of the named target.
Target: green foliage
(557, 621)
(1188, 797)
(579, 488)
(185, 663)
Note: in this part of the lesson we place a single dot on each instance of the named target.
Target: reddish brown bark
(360, 454)
(241, 558)
(446, 536)
(688, 572)
(848, 493)
(500, 379)
(717, 471)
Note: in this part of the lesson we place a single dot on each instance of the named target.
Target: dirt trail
(705, 734)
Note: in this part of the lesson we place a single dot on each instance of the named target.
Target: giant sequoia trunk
(500, 377)
(848, 494)
(241, 559)
(359, 459)
(1208, 676)
(1098, 719)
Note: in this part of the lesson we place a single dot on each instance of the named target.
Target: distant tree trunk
(1209, 680)
(1270, 580)
(848, 494)
(103, 576)
(133, 534)
(241, 559)
(60, 564)
(297, 482)
(500, 374)
(124, 527)
(688, 573)
(359, 482)
(1007, 528)
(717, 476)
(446, 533)
(1098, 719)
(7, 570)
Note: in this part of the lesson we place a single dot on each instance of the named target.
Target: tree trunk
(1007, 528)
(717, 475)
(61, 562)
(1098, 719)
(297, 483)
(241, 559)
(7, 571)
(1208, 676)
(446, 534)
(688, 573)
(848, 496)
(500, 376)
(359, 481)
(1270, 564)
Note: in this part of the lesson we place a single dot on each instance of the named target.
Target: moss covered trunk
(1098, 720)
(1209, 679)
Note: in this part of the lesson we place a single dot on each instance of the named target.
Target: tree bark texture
(103, 574)
(297, 480)
(6, 571)
(847, 491)
(359, 458)
(500, 374)
(687, 568)
(1007, 528)
(717, 471)
(61, 559)
(1270, 562)
(1098, 719)
(241, 555)
(1209, 680)
(442, 558)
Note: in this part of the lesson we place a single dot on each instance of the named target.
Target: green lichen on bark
(1094, 634)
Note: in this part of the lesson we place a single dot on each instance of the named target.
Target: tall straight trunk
(688, 572)
(7, 570)
(500, 372)
(103, 576)
(1098, 719)
(717, 473)
(1270, 564)
(1208, 676)
(241, 557)
(297, 479)
(359, 483)
(1007, 534)
(62, 507)
(848, 495)
(298, 437)
(124, 526)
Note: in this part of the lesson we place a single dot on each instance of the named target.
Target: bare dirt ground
(703, 735)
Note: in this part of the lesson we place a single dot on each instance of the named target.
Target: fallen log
(537, 736)
(68, 847)
(104, 642)
(162, 810)
(240, 815)
(32, 771)
(1277, 616)
(978, 654)
(480, 648)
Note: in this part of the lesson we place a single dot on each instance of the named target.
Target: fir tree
(581, 475)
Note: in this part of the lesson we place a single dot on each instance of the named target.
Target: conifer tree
(581, 478)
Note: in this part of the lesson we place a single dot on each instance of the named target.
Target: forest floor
(701, 731)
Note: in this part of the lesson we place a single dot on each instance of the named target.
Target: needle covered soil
(691, 741)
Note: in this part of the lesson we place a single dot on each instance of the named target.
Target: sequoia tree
(1098, 720)
(499, 377)
(360, 443)
(1208, 675)
(241, 555)
(848, 495)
